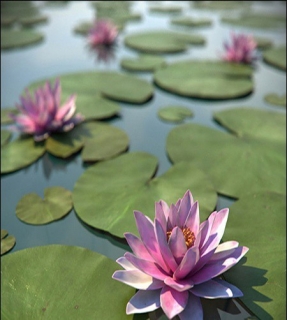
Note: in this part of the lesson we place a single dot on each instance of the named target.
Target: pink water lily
(176, 261)
(103, 32)
(241, 49)
(43, 115)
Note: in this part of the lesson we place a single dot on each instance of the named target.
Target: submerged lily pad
(206, 79)
(5, 119)
(7, 242)
(174, 113)
(107, 193)
(56, 204)
(5, 137)
(258, 221)
(37, 284)
(254, 159)
(162, 41)
(192, 22)
(144, 62)
(276, 57)
(276, 99)
(19, 38)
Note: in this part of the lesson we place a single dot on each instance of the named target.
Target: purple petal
(67, 110)
(177, 244)
(172, 301)
(144, 301)
(224, 251)
(193, 309)
(137, 246)
(192, 220)
(172, 219)
(161, 213)
(187, 263)
(125, 264)
(184, 208)
(179, 285)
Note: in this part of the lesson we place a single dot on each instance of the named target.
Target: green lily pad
(5, 137)
(106, 196)
(19, 38)
(162, 41)
(144, 62)
(221, 5)
(31, 21)
(83, 27)
(206, 79)
(276, 99)
(5, 119)
(174, 113)
(61, 282)
(262, 277)
(254, 159)
(192, 22)
(7, 242)
(56, 204)
(276, 57)
(20, 153)
(263, 43)
(166, 8)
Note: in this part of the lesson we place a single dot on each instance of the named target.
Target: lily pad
(5, 137)
(107, 193)
(206, 79)
(276, 99)
(221, 5)
(31, 21)
(263, 43)
(162, 41)
(174, 113)
(35, 282)
(166, 8)
(192, 22)
(262, 277)
(7, 242)
(20, 153)
(254, 159)
(56, 204)
(19, 38)
(276, 57)
(5, 119)
(144, 62)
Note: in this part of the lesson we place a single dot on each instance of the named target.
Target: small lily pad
(5, 119)
(144, 62)
(56, 204)
(221, 5)
(276, 57)
(263, 43)
(19, 38)
(192, 22)
(165, 8)
(276, 99)
(7, 242)
(174, 113)
(83, 27)
(5, 137)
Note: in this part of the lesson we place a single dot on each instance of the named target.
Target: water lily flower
(176, 261)
(241, 49)
(103, 32)
(43, 115)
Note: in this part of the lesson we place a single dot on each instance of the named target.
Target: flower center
(189, 236)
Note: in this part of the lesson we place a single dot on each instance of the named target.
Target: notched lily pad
(276, 99)
(192, 22)
(56, 204)
(19, 38)
(5, 137)
(145, 62)
(276, 57)
(174, 113)
(7, 242)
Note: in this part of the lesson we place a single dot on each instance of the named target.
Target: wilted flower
(241, 49)
(177, 260)
(43, 115)
(103, 32)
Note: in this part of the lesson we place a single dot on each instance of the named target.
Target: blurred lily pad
(252, 159)
(221, 5)
(7, 242)
(264, 292)
(205, 79)
(263, 43)
(5, 137)
(192, 22)
(5, 119)
(174, 113)
(35, 280)
(276, 99)
(19, 38)
(56, 204)
(166, 8)
(162, 41)
(276, 57)
(107, 193)
(145, 62)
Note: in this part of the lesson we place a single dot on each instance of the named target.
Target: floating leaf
(221, 5)
(264, 294)
(276, 99)
(252, 160)
(162, 41)
(5, 119)
(174, 113)
(20, 153)
(19, 38)
(263, 43)
(107, 193)
(206, 79)
(30, 21)
(191, 22)
(276, 57)
(61, 282)
(144, 62)
(165, 8)
(5, 137)
(7, 243)
(56, 204)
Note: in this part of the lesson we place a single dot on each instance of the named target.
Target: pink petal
(144, 301)
(125, 264)
(172, 301)
(192, 220)
(67, 110)
(161, 213)
(172, 219)
(187, 263)
(184, 208)
(224, 252)
(179, 285)
(226, 246)
(193, 309)
(25, 122)
(137, 246)
(177, 244)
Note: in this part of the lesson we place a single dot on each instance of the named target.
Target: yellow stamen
(189, 236)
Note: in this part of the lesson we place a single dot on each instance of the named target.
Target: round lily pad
(258, 221)
(30, 21)
(144, 62)
(107, 193)
(56, 204)
(61, 282)
(5, 119)
(83, 27)
(174, 113)
(165, 8)
(206, 79)
(5, 137)
(192, 22)
(19, 38)
(276, 57)
(253, 159)
(221, 5)
(162, 41)
(7, 242)
(263, 43)
(276, 99)
(20, 153)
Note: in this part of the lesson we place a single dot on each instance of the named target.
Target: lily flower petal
(193, 309)
(144, 301)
